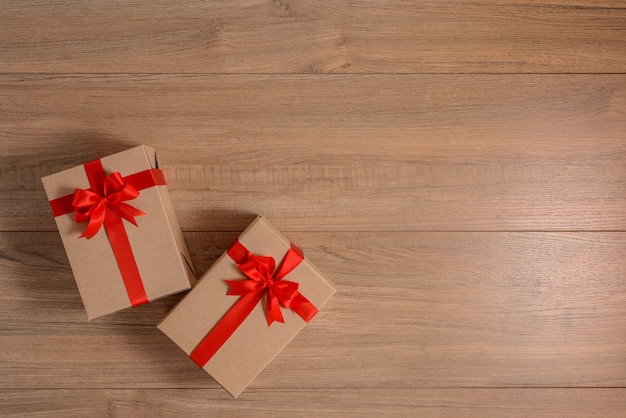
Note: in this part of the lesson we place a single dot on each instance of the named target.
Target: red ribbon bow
(96, 205)
(261, 280)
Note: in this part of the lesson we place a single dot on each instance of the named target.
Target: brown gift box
(157, 242)
(253, 344)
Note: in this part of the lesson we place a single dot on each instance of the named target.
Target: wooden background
(457, 169)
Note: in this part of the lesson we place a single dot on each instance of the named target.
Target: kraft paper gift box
(230, 322)
(119, 230)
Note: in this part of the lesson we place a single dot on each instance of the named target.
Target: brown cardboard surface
(157, 242)
(253, 345)
(175, 228)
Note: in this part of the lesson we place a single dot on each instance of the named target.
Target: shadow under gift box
(157, 245)
(254, 343)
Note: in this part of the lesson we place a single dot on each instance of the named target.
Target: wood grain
(457, 169)
(282, 36)
(293, 402)
(425, 152)
(412, 309)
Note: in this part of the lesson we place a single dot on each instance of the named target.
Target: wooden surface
(457, 169)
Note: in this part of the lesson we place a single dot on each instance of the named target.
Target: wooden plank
(531, 152)
(312, 36)
(414, 179)
(412, 309)
(360, 402)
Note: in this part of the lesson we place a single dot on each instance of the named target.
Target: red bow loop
(291, 260)
(285, 291)
(116, 189)
(95, 206)
(258, 267)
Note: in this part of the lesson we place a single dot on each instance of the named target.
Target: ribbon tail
(95, 223)
(272, 309)
(303, 307)
(127, 212)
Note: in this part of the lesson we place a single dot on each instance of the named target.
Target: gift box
(119, 230)
(255, 298)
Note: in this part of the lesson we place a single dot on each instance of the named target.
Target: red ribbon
(103, 204)
(262, 280)
(95, 207)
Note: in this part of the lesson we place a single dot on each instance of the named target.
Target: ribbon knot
(105, 199)
(264, 278)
